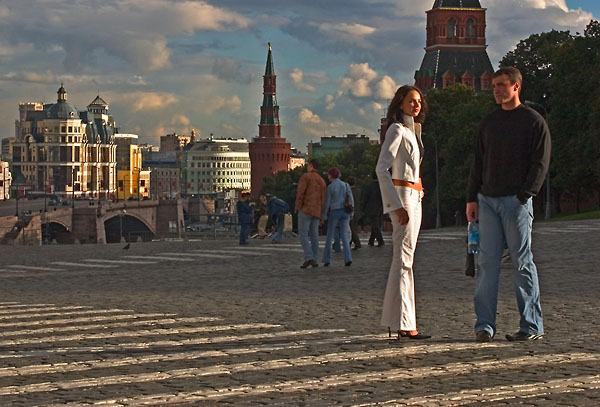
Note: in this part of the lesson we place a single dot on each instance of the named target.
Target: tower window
(470, 28)
(452, 28)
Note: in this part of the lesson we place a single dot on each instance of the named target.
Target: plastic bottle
(473, 238)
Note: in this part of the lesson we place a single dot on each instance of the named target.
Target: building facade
(269, 152)
(455, 50)
(335, 145)
(164, 173)
(214, 165)
(65, 152)
(7, 148)
(5, 180)
(133, 181)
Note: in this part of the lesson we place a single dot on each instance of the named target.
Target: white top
(401, 151)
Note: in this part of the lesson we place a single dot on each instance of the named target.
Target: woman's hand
(402, 216)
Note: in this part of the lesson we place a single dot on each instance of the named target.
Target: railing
(212, 225)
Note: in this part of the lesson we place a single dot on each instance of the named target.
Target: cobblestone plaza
(209, 323)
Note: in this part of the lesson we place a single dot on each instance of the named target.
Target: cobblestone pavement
(210, 323)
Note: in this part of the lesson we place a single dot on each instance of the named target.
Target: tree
(534, 57)
(575, 115)
(452, 123)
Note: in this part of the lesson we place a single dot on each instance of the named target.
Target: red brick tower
(456, 47)
(269, 152)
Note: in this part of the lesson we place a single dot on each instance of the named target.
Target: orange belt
(401, 183)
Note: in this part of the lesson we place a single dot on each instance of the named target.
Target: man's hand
(402, 216)
(472, 212)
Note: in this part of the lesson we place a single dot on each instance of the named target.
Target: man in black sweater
(512, 155)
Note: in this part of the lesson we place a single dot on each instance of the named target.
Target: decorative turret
(269, 152)
(455, 51)
(62, 93)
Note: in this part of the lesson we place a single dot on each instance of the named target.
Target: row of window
(216, 158)
(221, 165)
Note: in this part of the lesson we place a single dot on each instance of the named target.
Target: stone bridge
(103, 222)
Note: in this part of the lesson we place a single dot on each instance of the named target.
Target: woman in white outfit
(401, 192)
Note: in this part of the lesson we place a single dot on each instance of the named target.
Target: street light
(438, 216)
(548, 213)
(73, 175)
(121, 214)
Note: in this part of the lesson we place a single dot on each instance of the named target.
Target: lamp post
(548, 213)
(438, 216)
(121, 214)
(73, 175)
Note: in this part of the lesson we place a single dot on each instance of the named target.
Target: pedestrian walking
(372, 208)
(354, 225)
(277, 208)
(244, 212)
(263, 218)
(338, 209)
(401, 192)
(512, 155)
(310, 201)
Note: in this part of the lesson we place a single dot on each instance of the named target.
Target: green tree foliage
(534, 56)
(453, 121)
(574, 115)
(358, 160)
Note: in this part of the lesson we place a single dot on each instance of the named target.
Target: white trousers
(399, 302)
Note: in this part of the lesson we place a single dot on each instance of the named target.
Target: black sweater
(512, 154)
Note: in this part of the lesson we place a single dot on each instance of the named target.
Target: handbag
(348, 207)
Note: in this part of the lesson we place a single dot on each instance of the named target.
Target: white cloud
(136, 31)
(306, 116)
(352, 33)
(357, 80)
(297, 77)
(329, 102)
(145, 101)
(386, 88)
(209, 105)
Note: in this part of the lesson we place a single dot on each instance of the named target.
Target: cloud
(135, 31)
(297, 77)
(231, 70)
(357, 80)
(144, 101)
(209, 106)
(329, 102)
(386, 88)
(306, 116)
(352, 33)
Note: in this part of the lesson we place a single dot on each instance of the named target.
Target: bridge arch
(129, 226)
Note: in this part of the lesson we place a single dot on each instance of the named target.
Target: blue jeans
(308, 229)
(279, 218)
(342, 218)
(244, 230)
(505, 221)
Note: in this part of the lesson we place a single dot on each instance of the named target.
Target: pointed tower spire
(269, 111)
(269, 70)
(269, 152)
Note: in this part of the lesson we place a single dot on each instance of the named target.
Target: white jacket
(401, 151)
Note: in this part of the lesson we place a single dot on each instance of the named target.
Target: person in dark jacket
(512, 155)
(354, 226)
(244, 211)
(372, 207)
(277, 208)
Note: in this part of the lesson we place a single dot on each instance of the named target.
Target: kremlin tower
(456, 47)
(269, 152)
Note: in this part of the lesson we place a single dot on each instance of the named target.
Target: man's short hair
(315, 163)
(513, 74)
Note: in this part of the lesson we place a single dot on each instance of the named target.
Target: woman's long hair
(394, 113)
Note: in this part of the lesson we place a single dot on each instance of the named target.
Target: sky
(169, 66)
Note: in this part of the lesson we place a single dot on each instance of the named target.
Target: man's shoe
(326, 264)
(483, 336)
(348, 264)
(314, 263)
(370, 244)
(306, 264)
(380, 244)
(523, 336)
